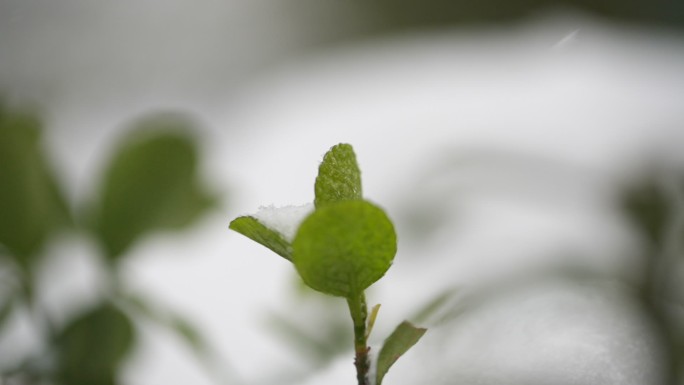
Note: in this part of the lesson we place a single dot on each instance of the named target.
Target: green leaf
(6, 310)
(31, 206)
(189, 333)
(256, 231)
(176, 323)
(371, 320)
(151, 184)
(309, 341)
(339, 177)
(396, 345)
(92, 347)
(433, 306)
(342, 248)
(647, 207)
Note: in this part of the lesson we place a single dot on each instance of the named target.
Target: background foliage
(151, 184)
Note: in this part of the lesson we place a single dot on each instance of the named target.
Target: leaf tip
(397, 344)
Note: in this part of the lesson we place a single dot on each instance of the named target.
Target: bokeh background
(528, 151)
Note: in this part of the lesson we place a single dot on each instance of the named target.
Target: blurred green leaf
(31, 206)
(316, 348)
(433, 306)
(6, 310)
(92, 347)
(648, 208)
(393, 17)
(174, 322)
(342, 248)
(398, 343)
(256, 231)
(151, 184)
(339, 177)
(189, 333)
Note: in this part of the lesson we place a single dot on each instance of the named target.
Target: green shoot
(341, 248)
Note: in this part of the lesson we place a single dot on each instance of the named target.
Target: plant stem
(359, 313)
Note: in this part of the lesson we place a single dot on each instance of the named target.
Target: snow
(284, 220)
(599, 102)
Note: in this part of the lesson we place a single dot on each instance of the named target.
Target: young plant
(341, 248)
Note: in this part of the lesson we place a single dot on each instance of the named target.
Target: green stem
(359, 313)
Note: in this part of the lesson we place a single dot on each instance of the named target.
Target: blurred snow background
(497, 148)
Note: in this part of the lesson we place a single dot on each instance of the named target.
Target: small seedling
(343, 246)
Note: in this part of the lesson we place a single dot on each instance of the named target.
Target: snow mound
(284, 220)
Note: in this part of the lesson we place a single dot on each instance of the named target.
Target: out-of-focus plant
(650, 202)
(150, 184)
(341, 248)
(654, 204)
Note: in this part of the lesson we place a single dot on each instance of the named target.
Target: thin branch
(359, 313)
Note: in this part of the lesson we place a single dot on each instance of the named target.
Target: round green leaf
(344, 247)
(151, 184)
(31, 204)
(92, 347)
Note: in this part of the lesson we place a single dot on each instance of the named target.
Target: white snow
(284, 220)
